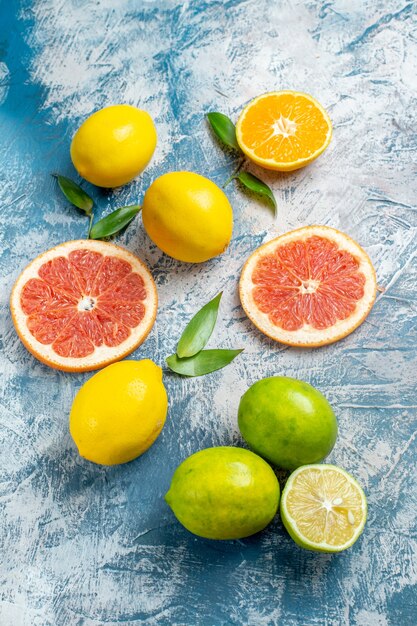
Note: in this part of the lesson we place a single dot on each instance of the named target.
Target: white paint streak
(4, 81)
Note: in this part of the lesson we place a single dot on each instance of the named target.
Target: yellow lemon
(113, 145)
(119, 412)
(187, 216)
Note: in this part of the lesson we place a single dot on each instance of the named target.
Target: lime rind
(291, 525)
(224, 493)
(287, 421)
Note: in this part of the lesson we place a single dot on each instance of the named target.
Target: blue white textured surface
(89, 545)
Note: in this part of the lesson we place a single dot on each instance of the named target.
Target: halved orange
(83, 304)
(283, 130)
(309, 287)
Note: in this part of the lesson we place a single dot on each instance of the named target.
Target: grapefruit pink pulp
(83, 304)
(309, 287)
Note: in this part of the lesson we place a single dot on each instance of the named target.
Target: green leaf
(257, 186)
(198, 331)
(204, 362)
(112, 223)
(74, 194)
(224, 129)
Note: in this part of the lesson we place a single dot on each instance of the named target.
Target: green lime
(224, 493)
(287, 421)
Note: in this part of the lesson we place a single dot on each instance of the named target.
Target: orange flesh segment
(82, 301)
(309, 281)
(263, 125)
(310, 503)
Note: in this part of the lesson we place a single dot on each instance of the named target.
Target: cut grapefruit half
(309, 287)
(283, 130)
(83, 304)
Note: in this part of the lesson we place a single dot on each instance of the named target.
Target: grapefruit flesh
(309, 287)
(83, 305)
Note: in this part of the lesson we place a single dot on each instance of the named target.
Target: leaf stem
(235, 173)
(90, 224)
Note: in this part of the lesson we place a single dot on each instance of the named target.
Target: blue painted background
(89, 545)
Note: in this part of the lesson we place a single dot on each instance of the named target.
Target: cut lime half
(323, 508)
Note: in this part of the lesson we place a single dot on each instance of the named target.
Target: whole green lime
(287, 421)
(224, 493)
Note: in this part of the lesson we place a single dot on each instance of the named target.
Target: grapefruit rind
(308, 336)
(273, 164)
(291, 524)
(102, 355)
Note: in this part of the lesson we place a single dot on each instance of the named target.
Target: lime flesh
(224, 493)
(323, 508)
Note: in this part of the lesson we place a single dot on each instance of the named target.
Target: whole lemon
(187, 216)
(119, 412)
(224, 493)
(287, 421)
(113, 145)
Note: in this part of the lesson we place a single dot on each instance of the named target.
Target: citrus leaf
(204, 362)
(74, 194)
(224, 129)
(112, 223)
(198, 331)
(256, 185)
